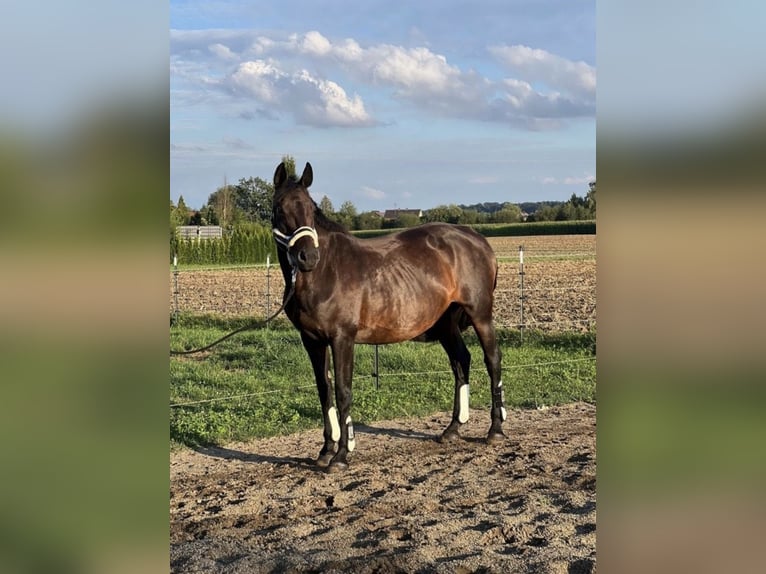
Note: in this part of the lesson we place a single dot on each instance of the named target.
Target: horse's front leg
(460, 362)
(320, 361)
(343, 360)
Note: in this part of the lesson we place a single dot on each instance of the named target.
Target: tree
(346, 215)
(577, 208)
(208, 216)
(407, 220)
(471, 217)
(590, 198)
(445, 213)
(254, 197)
(224, 205)
(289, 162)
(508, 213)
(179, 214)
(577, 201)
(567, 212)
(325, 205)
(544, 213)
(369, 220)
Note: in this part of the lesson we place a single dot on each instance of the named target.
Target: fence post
(521, 292)
(175, 288)
(376, 370)
(268, 286)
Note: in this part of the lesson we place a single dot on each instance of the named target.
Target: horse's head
(293, 218)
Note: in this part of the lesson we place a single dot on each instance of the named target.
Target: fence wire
(357, 376)
(526, 299)
(540, 302)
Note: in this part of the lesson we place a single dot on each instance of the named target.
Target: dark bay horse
(426, 283)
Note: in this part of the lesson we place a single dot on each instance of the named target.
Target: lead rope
(249, 326)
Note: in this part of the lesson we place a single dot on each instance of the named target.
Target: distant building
(199, 231)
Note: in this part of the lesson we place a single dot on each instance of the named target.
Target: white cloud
(258, 78)
(536, 65)
(372, 193)
(314, 43)
(327, 104)
(221, 51)
(413, 71)
(569, 180)
(311, 100)
(349, 51)
(308, 76)
(261, 45)
(523, 99)
(416, 71)
(579, 180)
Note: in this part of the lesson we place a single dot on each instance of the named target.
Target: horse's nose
(307, 259)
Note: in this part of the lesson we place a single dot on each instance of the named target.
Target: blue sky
(395, 103)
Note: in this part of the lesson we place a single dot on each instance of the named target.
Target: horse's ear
(308, 176)
(280, 175)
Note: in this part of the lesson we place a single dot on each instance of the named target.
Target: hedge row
(514, 229)
(238, 247)
(537, 228)
(252, 245)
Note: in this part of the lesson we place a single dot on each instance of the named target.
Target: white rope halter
(287, 241)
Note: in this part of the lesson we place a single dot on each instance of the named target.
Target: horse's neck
(329, 235)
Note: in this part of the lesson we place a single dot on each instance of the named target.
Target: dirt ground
(407, 503)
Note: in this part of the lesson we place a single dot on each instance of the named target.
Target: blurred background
(681, 155)
(83, 198)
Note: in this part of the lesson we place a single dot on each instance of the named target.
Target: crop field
(559, 285)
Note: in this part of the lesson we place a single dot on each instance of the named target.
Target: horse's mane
(321, 220)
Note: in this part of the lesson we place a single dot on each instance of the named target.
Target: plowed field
(559, 285)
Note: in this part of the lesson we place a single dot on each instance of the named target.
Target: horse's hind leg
(320, 361)
(485, 331)
(460, 360)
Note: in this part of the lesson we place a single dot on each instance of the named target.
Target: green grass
(260, 383)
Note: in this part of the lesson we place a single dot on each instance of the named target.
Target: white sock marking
(351, 439)
(462, 416)
(503, 412)
(332, 414)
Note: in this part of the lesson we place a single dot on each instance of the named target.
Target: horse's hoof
(324, 459)
(495, 437)
(337, 466)
(448, 436)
